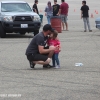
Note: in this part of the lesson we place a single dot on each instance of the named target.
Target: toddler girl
(54, 41)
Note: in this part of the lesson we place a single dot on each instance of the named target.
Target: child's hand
(59, 49)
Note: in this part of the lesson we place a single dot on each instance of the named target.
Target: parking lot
(70, 82)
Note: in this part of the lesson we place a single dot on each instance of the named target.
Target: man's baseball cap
(48, 27)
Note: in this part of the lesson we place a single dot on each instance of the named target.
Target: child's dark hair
(55, 34)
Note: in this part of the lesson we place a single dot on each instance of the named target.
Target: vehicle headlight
(36, 18)
(8, 18)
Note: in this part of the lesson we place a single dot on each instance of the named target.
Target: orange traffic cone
(92, 16)
(97, 12)
(74, 10)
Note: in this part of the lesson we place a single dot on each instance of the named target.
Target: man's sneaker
(90, 30)
(47, 66)
(85, 31)
(57, 66)
(31, 64)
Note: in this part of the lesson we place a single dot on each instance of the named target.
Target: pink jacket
(55, 43)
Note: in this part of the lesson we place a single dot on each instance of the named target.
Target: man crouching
(37, 52)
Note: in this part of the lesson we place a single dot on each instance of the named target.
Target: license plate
(24, 25)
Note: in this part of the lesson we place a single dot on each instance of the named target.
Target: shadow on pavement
(19, 36)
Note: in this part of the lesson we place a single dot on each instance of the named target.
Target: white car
(17, 16)
(97, 21)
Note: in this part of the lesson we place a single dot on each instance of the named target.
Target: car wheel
(36, 32)
(22, 33)
(2, 32)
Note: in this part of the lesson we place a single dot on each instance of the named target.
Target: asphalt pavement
(19, 82)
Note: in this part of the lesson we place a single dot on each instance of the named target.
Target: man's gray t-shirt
(39, 39)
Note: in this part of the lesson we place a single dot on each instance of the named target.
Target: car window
(15, 7)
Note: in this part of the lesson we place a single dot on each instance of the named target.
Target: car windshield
(15, 7)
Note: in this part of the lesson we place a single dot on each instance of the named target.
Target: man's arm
(34, 8)
(45, 51)
(68, 11)
(42, 50)
(81, 14)
(88, 10)
(40, 43)
(59, 11)
(68, 8)
(45, 11)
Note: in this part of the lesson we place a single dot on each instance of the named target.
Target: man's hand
(59, 11)
(81, 14)
(58, 48)
(45, 14)
(52, 48)
(58, 14)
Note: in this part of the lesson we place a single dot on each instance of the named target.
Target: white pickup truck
(97, 21)
(17, 16)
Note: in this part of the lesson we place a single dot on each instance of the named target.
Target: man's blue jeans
(55, 59)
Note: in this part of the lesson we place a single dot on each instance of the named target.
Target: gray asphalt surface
(19, 82)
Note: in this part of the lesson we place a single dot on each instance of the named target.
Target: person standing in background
(64, 13)
(85, 16)
(35, 8)
(49, 12)
(56, 8)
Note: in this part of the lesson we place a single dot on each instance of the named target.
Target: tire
(36, 32)
(2, 32)
(96, 26)
(22, 33)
